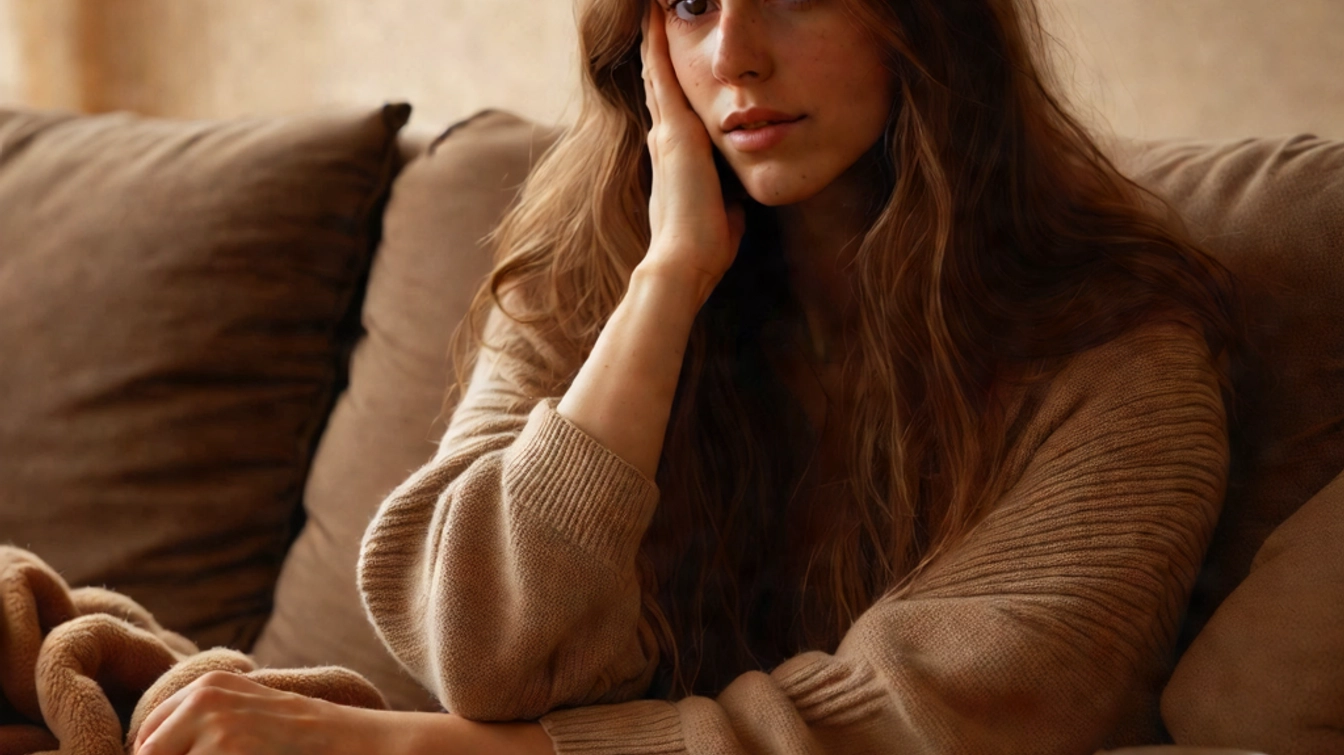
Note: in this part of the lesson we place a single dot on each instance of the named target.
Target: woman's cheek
(691, 63)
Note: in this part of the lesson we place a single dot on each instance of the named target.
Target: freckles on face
(820, 91)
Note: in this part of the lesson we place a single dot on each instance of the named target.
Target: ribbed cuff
(642, 727)
(580, 487)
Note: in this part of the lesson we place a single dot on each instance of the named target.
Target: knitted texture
(502, 575)
(76, 666)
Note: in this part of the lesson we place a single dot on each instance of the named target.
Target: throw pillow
(172, 300)
(433, 257)
(1267, 672)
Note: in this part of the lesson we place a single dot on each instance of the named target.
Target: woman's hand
(622, 396)
(227, 714)
(693, 234)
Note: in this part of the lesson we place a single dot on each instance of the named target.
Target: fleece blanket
(81, 669)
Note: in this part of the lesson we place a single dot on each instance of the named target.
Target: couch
(224, 342)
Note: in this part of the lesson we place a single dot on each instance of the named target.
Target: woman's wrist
(622, 395)
(676, 282)
(411, 733)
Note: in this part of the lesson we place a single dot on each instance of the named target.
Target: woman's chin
(776, 193)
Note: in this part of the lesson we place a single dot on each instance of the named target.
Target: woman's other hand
(224, 714)
(693, 233)
(227, 714)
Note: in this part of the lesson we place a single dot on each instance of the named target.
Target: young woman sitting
(833, 393)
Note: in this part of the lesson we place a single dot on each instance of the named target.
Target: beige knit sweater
(502, 575)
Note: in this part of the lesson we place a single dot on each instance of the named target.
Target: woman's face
(792, 92)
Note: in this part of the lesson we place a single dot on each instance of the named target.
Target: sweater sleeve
(502, 573)
(1049, 624)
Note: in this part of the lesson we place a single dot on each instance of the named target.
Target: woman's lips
(761, 138)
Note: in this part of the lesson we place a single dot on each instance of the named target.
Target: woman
(836, 395)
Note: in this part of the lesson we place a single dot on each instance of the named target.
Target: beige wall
(38, 60)
(213, 58)
(9, 57)
(1213, 68)
(1210, 68)
(447, 57)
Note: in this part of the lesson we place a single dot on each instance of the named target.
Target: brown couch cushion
(1270, 664)
(385, 425)
(1272, 210)
(171, 297)
(1267, 672)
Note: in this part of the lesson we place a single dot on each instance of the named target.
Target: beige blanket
(81, 669)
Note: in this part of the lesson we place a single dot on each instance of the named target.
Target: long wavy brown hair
(1002, 240)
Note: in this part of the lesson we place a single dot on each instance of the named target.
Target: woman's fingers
(667, 95)
(690, 230)
(160, 714)
(178, 732)
(215, 680)
(652, 18)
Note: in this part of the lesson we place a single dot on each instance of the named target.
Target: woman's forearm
(622, 396)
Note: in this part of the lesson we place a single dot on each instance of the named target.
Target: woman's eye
(689, 10)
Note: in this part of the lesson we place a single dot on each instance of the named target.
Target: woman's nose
(743, 51)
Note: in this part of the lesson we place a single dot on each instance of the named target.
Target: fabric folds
(81, 669)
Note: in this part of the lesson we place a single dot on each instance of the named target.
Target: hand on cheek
(693, 232)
